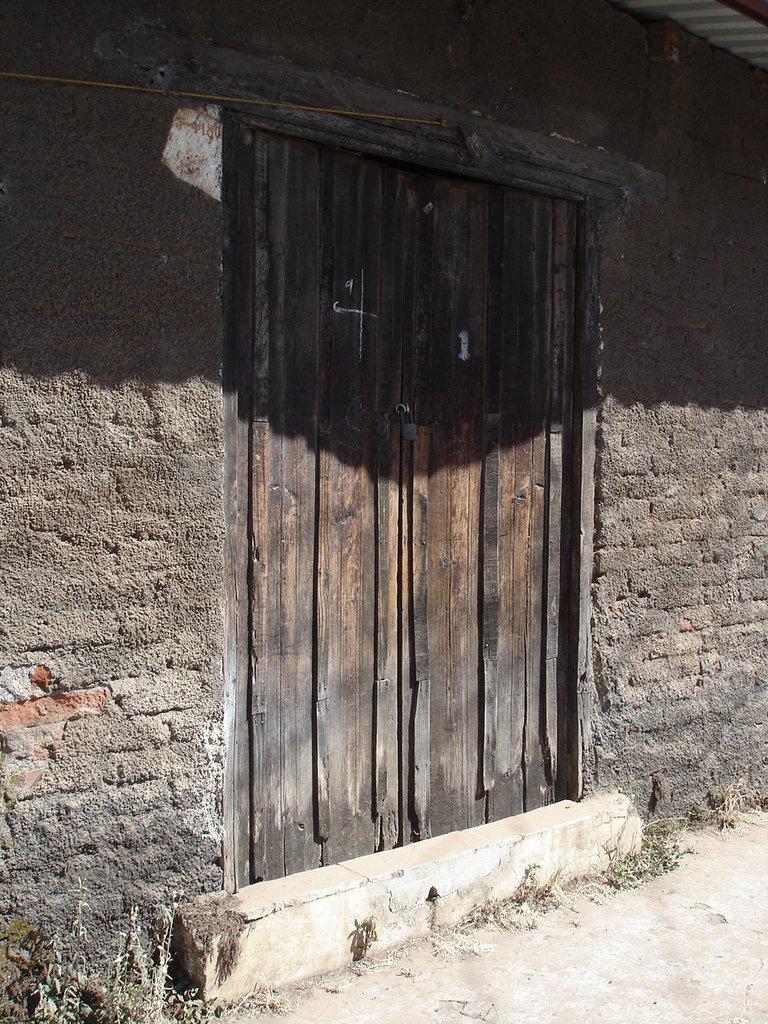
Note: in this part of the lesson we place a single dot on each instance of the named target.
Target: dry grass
(727, 806)
(457, 941)
(265, 999)
(518, 913)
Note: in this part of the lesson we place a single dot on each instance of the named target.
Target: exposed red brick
(41, 676)
(58, 707)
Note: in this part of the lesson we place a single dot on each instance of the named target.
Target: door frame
(494, 157)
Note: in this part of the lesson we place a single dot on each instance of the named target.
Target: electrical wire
(216, 98)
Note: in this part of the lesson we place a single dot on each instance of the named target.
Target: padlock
(408, 429)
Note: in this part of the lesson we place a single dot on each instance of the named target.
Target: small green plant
(659, 853)
(58, 981)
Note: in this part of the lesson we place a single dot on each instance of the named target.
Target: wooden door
(404, 666)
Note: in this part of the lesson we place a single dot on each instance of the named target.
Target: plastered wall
(111, 442)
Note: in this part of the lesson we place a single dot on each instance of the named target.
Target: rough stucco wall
(110, 418)
(111, 523)
(681, 595)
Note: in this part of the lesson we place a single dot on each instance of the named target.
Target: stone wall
(111, 523)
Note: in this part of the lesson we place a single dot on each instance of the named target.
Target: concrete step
(287, 929)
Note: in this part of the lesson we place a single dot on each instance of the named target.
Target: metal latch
(408, 429)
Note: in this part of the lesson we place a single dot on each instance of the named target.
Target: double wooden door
(406, 359)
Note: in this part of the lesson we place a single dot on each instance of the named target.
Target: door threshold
(287, 929)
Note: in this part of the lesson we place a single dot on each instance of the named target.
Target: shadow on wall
(111, 265)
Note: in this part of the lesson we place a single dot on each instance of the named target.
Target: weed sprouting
(59, 981)
(659, 853)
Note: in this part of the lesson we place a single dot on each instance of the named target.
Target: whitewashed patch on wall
(193, 148)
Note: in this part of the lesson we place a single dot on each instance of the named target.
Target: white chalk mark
(349, 285)
(464, 350)
(361, 312)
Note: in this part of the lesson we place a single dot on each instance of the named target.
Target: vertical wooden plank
(396, 313)
(568, 591)
(490, 496)
(421, 730)
(351, 250)
(415, 462)
(387, 752)
(323, 612)
(238, 191)
(515, 452)
(283, 505)
(456, 455)
(295, 242)
(262, 794)
(537, 782)
(490, 598)
(512, 535)
(323, 581)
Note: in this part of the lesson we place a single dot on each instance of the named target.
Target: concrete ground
(689, 946)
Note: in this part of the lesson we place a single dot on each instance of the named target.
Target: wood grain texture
(282, 507)
(349, 559)
(239, 314)
(457, 379)
(561, 460)
(407, 634)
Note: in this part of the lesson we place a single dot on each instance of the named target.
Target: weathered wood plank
(457, 388)
(238, 186)
(491, 486)
(396, 313)
(490, 598)
(262, 796)
(515, 503)
(349, 559)
(561, 480)
(323, 616)
(421, 725)
(537, 782)
(323, 584)
(387, 553)
(282, 506)
(560, 342)
(262, 792)
(415, 641)
(294, 237)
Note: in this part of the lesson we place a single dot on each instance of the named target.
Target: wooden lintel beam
(330, 108)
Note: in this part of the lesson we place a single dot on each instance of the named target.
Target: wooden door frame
(459, 144)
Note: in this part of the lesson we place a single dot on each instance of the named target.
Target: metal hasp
(408, 429)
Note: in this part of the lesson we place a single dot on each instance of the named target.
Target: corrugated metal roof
(708, 19)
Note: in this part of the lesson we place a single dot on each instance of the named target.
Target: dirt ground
(689, 946)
